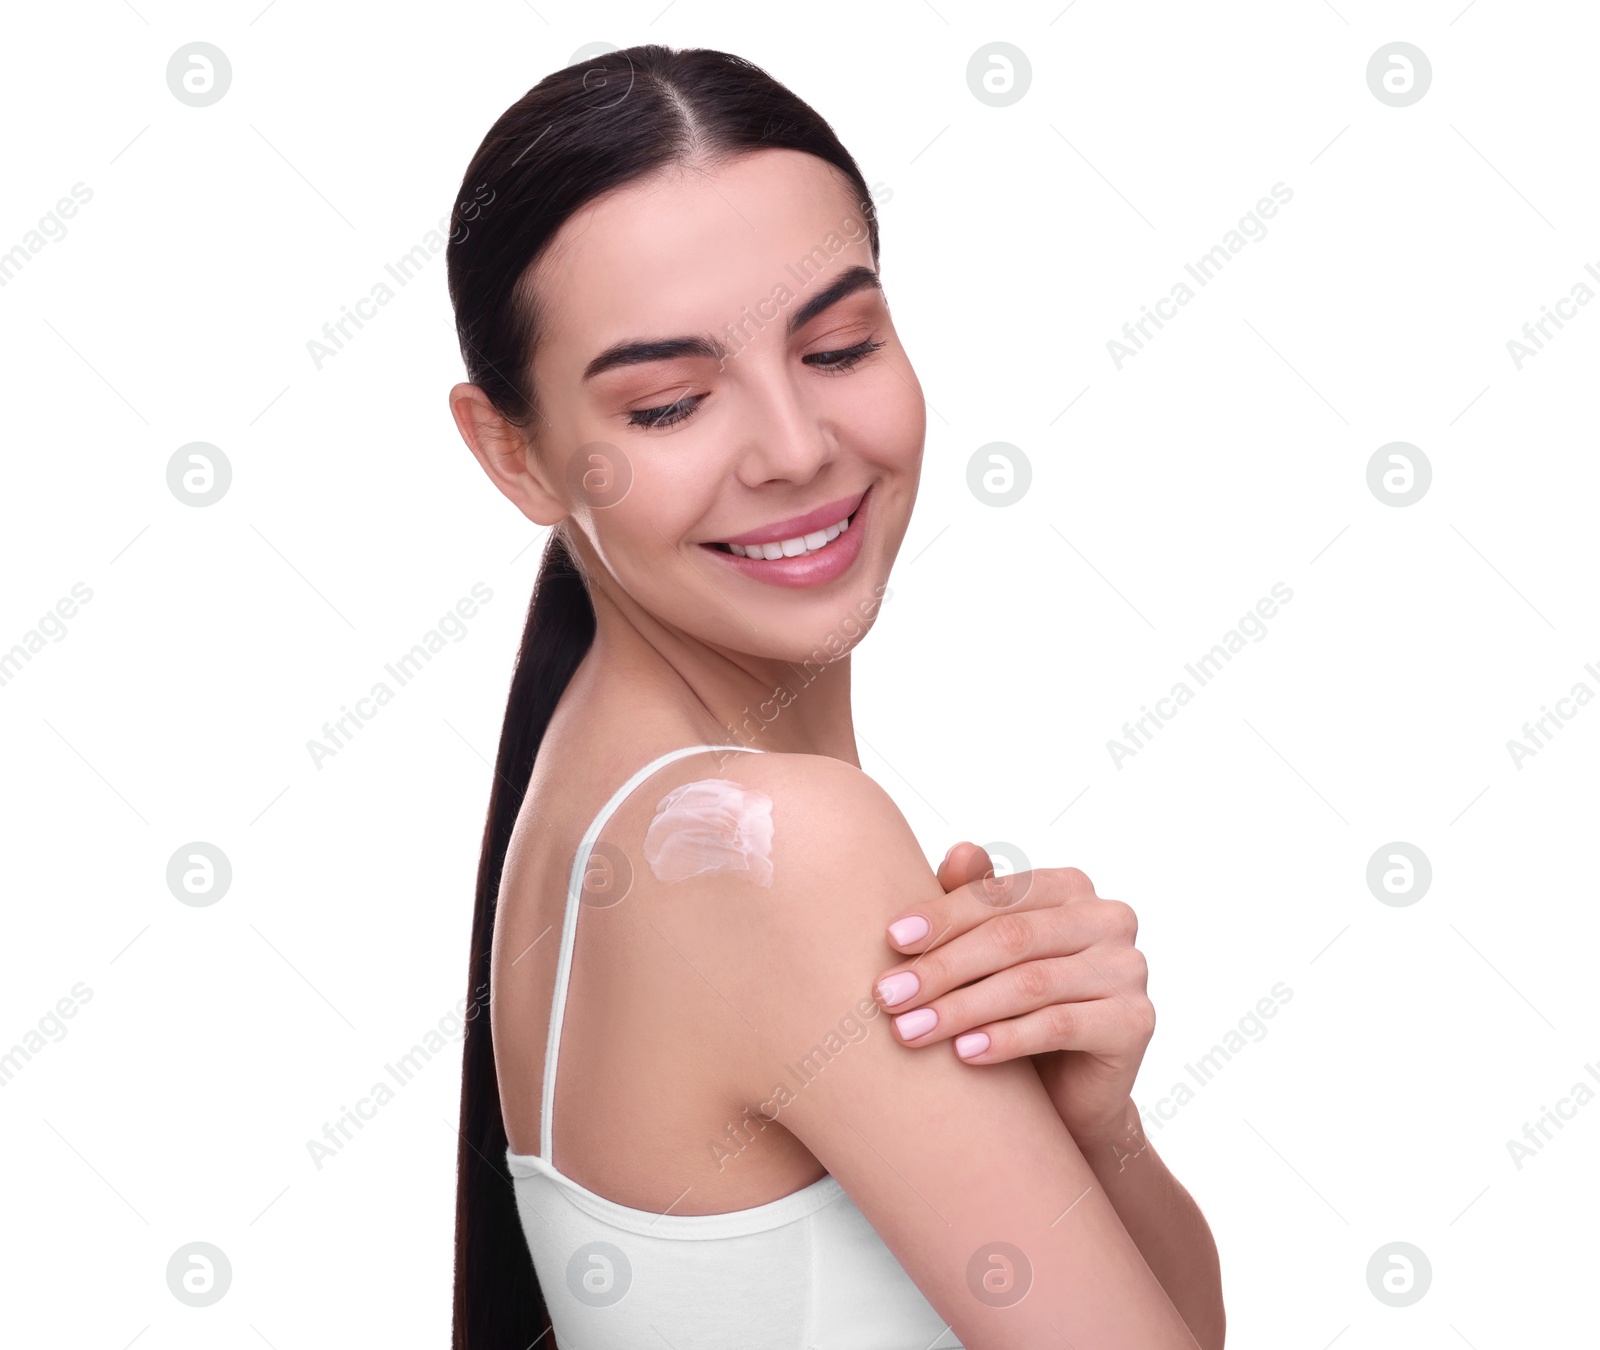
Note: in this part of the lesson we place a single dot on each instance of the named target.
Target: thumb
(964, 862)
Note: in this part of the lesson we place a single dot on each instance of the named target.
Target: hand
(1035, 964)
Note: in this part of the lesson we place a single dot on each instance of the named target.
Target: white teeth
(792, 548)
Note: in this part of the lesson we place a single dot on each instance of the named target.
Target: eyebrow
(635, 352)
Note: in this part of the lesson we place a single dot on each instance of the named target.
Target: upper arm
(958, 1167)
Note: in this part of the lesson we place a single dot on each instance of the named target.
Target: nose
(785, 433)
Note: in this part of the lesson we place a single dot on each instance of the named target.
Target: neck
(799, 706)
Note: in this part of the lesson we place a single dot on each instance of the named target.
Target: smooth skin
(716, 443)
(976, 1185)
(1043, 967)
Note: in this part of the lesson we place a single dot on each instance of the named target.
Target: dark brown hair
(578, 133)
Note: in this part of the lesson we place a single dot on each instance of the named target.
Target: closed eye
(834, 362)
(665, 416)
(845, 357)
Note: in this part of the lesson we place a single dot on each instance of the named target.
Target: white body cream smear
(713, 825)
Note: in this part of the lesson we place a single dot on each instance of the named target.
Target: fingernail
(973, 1043)
(909, 930)
(946, 857)
(898, 988)
(912, 1024)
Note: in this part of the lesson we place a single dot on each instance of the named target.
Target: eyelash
(669, 415)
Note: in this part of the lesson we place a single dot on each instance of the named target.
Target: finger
(1013, 992)
(960, 939)
(982, 898)
(1026, 988)
(1101, 930)
(965, 862)
(1099, 1027)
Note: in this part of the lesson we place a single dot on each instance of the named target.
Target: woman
(664, 271)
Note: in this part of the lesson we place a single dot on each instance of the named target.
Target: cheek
(883, 416)
(666, 493)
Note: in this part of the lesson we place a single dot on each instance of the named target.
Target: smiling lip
(814, 568)
(831, 513)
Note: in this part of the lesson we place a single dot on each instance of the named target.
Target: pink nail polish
(898, 988)
(913, 1024)
(909, 930)
(973, 1043)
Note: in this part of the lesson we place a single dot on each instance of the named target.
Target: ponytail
(497, 1297)
(580, 132)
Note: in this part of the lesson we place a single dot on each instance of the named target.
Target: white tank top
(803, 1272)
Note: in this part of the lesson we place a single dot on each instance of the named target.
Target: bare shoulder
(751, 832)
(792, 864)
(965, 1171)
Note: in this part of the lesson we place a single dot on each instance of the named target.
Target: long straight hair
(579, 132)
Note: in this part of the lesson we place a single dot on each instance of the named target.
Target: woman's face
(717, 361)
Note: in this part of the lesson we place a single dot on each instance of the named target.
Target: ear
(503, 451)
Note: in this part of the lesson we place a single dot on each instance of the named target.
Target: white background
(1230, 454)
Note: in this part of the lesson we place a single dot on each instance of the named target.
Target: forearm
(1164, 1222)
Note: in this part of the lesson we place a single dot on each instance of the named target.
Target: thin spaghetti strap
(569, 928)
